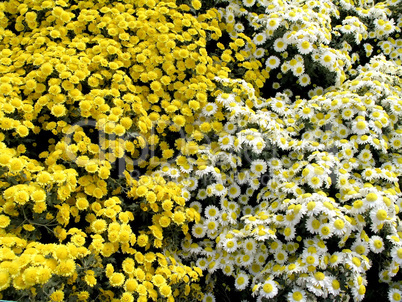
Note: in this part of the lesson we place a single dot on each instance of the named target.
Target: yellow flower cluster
(166, 203)
(26, 265)
(84, 87)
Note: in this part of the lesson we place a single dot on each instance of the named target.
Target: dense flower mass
(162, 150)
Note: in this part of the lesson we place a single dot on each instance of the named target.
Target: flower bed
(173, 150)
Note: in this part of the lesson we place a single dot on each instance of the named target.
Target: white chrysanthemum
(263, 233)
(384, 276)
(396, 142)
(315, 182)
(272, 62)
(239, 27)
(318, 90)
(202, 263)
(281, 256)
(208, 251)
(173, 172)
(348, 113)
(313, 225)
(395, 295)
(260, 38)
(244, 260)
(211, 225)
(278, 106)
(242, 280)
(285, 67)
(187, 169)
(365, 155)
(210, 190)
(230, 17)
(213, 266)
(376, 244)
(327, 59)
(254, 183)
(368, 48)
(198, 230)
(202, 194)
(335, 259)
(304, 80)
(224, 98)
(233, 206)
(248, 3)
(230, 127)
(280, 45)
(220, 190)
(293, 15)
(306, 112)
(249, 246)
(325, 230)
(319, 279)
(310, 259)
(255, 269)
(242, 177)
(212, 234)
(260, 258)
(228, 269)
(230, 245)
(288, 92)
(342, 131)
(340, 226)
(361, 247)
(347, 29)
(399, 203)
(272, 24)
(259, 53)
(297, 295)
(304, 47)
(269, 289)
(289, 232)
(378, 215)
(185, 194)
(190, 183)
(211, 212)
(293, 268)
(373, 199)
(209, 109)
(258, 145)
(358, 292)
(226, 142)
(234, 191)
(208, 298)
(275, 163)
(298, 69)
(258, 167)
(334, 286)
(393, 268)
(396, 254)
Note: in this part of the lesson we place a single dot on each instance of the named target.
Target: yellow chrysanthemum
(57, 296)
(116, 279)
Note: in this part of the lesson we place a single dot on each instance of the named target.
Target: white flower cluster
(291, 36)
(306, 189)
